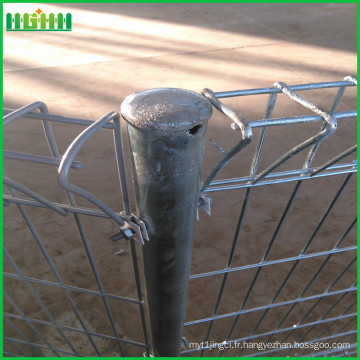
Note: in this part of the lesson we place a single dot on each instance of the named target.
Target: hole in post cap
(194, 130)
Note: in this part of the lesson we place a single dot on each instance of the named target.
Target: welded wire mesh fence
(81, 329)
(287, 280)
(273, 266)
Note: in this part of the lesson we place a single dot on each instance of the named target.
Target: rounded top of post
(166, 109)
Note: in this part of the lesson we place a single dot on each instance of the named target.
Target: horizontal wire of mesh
(112, 323)
(52, 312)
(287, 297)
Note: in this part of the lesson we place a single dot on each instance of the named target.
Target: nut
(128, 233)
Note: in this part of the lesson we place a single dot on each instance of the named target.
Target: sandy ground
(116, 49)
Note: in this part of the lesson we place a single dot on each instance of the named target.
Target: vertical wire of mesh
(63, 330)
(211, 343)
(307, 316)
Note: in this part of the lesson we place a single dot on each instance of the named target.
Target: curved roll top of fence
(281, 262)
(167, 130)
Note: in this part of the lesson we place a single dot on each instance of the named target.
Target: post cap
(166, 109)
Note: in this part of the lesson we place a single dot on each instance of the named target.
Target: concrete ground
(114, 50)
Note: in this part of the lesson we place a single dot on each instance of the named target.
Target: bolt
(116, 237)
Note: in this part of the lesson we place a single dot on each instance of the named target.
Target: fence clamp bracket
(204, 204)
(133, 229)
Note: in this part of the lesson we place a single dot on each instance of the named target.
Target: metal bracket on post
(167, 131)
(204, 204)
(134, 229)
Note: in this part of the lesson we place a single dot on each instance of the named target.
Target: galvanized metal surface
(255, 178)
(167, 129)
(316, 323)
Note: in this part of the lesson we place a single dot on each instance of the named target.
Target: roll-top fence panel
(247, 250)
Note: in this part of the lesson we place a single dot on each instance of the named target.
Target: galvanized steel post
(167, 128)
